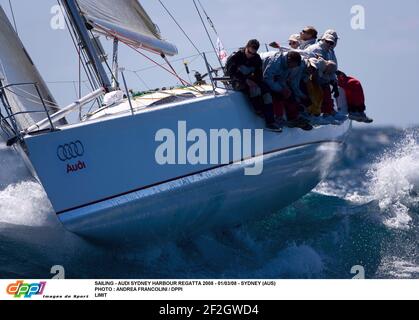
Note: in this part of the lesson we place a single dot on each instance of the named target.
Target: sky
(384, 54)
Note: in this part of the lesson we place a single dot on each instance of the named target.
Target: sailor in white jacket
(308, 37)
(323, 48)
(335, 35)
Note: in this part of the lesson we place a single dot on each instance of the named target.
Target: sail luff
(16, 66)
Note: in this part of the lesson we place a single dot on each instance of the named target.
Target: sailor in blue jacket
(282, 76)
(324, 48)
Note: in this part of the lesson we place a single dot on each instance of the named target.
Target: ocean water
(365, 214)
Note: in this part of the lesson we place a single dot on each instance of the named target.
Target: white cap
(329, 37)
(294, 37)
(331, 32)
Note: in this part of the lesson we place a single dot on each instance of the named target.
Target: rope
(51, 103)
(195, 56)
(66, 82)
(173, 69)
(117, 36)
(76, 46)
(209, 36)
(140, 78)
(37, 101)
(160, 65)
(180, 27)
(98, 45)
(208, 18)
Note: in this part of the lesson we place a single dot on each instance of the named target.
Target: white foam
(394, 179)
(25, 204)
(22, 201)
(399, 269)
(295, 261)
(338, 189)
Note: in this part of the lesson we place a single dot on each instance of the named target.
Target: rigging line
(93, 62)
(96, 40)
(140, 78)
(184, 83)
(208, 18)
(31, 99)
(93, 78)
(180, 27)
(195, 56)
(75, 89)
(73, 38)
(161, 92)
(116, 36)
(171, 72)
(91, 107)
(13, 15)
(209, 36)
(80, 67)
(66, 82)
(79, 93)
(51, 103)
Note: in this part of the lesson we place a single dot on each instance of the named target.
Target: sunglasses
(292, 43)
(251, 53)
(330, 43)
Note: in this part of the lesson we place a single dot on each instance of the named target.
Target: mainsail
(16, 67)
(126, 20)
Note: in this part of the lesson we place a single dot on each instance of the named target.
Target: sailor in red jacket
(354, 96)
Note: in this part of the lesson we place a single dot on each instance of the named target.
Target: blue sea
(365, 214)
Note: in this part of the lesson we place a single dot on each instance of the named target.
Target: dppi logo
(26, 290)
(72, 151)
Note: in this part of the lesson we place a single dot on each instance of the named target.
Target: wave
(295, 261)
(25, 204)
(23, 201)
(321, 236)
(395, 182)
(394, 268)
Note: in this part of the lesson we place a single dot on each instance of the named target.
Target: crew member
(244, 68)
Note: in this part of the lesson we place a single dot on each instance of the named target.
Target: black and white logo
(70, 151)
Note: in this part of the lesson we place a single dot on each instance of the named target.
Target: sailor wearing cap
(294, 41)
(324, 48)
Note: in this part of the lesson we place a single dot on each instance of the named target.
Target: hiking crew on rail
(296, 86)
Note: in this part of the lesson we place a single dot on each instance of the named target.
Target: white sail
(126, 19)
(16, 66)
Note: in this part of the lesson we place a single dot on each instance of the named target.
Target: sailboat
(102, 174)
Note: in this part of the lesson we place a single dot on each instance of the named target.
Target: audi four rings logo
(70, 151)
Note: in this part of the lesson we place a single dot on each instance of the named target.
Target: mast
(80, 26)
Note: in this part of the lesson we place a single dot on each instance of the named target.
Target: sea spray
(395, 182)
(22, 200)
(25, 204)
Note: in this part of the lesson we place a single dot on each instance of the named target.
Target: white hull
(121, 193)
(219, 198)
